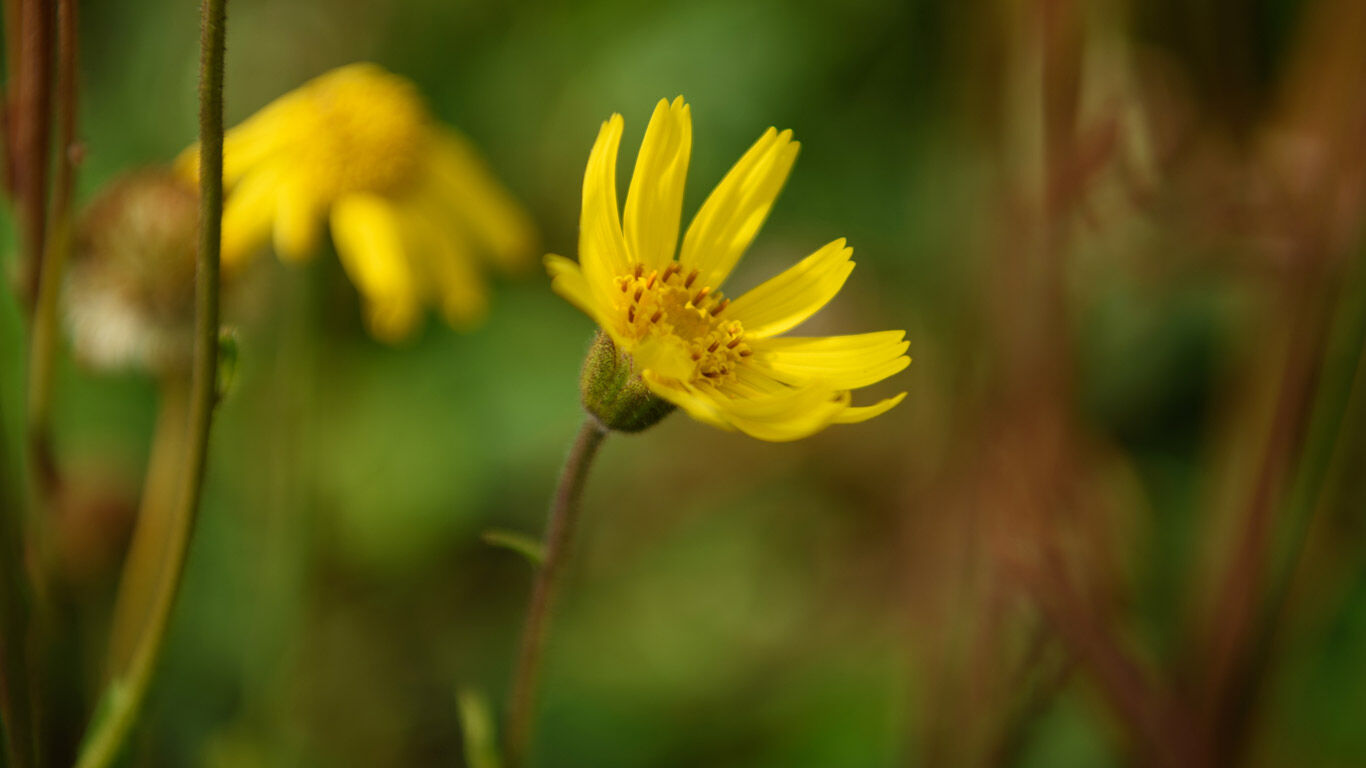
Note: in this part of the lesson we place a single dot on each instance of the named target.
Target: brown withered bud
(130, 286)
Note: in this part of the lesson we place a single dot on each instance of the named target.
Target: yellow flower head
(720, 360)
(411, 206)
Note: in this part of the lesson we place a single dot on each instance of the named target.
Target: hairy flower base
(614, 393)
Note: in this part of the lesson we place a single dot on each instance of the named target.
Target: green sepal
(614, 393)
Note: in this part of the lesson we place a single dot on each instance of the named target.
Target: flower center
(365, 132)
(672, 309)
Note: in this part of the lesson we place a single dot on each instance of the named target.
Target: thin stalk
(13, 43)
(16, 716)
(1230, 653)
(33, 125)
(145, 562)
(126, 693)
(45, 327)
(564, 515)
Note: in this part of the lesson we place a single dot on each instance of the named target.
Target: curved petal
(566, 279)
(787, 415)
(798, 293)
(838, 362)
(654, 201)
(370, 246)
(483, 206)
(298, 220)
(447, 269)
(736, 209)
(695, 403)
(248, 214)
(602, 247)
(854, 415)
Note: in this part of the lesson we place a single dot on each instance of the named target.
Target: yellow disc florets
(671, 305)
(361, 130)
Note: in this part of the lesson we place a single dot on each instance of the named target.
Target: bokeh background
(1123, 238)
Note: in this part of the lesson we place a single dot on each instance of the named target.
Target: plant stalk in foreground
(124, 696)
(564, 517)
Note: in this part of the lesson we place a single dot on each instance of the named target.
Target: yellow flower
(411, 206)
(720, 360)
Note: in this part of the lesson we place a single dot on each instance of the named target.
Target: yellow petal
(479, 201)
(654, 201)
(370, 247)
(246, 146)
(736, 209)
(568, 281)
(854, 415)
(298, 221)
(602, 248)
(798, 293)
(248, 214)
(790, 415)
(838, 362)
(697, 405)
(447, 272)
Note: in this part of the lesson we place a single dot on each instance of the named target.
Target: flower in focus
(411, 207)
(130, 286)
(722, 361)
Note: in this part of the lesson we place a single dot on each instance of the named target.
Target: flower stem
(559, 538)
(49, 268)
(126, 691)
(16, 717)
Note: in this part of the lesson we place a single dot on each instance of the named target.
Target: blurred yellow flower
(411, 206)
(719, 360)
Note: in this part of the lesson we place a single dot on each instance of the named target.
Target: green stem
(144, 565)
(559, 538)
(16, 721)
(45, 329)
(126, 692)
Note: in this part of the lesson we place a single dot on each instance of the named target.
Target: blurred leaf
(227, 362)
(532, 549)
(476, 722)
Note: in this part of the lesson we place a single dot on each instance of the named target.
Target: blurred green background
(731, 602)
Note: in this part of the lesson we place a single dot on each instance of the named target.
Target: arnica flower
(722, 361)
(411, 207)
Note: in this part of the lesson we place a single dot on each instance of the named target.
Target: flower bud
(130, 287)
(614, 392)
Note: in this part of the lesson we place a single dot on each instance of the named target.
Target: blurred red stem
(1150, 711)
(33, 125)
(1230, 654)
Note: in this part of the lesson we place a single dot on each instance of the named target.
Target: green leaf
(531, 549)
(476, 723)
(227, 362)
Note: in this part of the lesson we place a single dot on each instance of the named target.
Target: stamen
(746, 352)
(654, 274)
(640, 269)
(631, 314)
(720, 305)
(702, 294)
(670, 270)
(714, 345)
(639, 291)
(733, 343)
(658, 314)
(691, 277)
